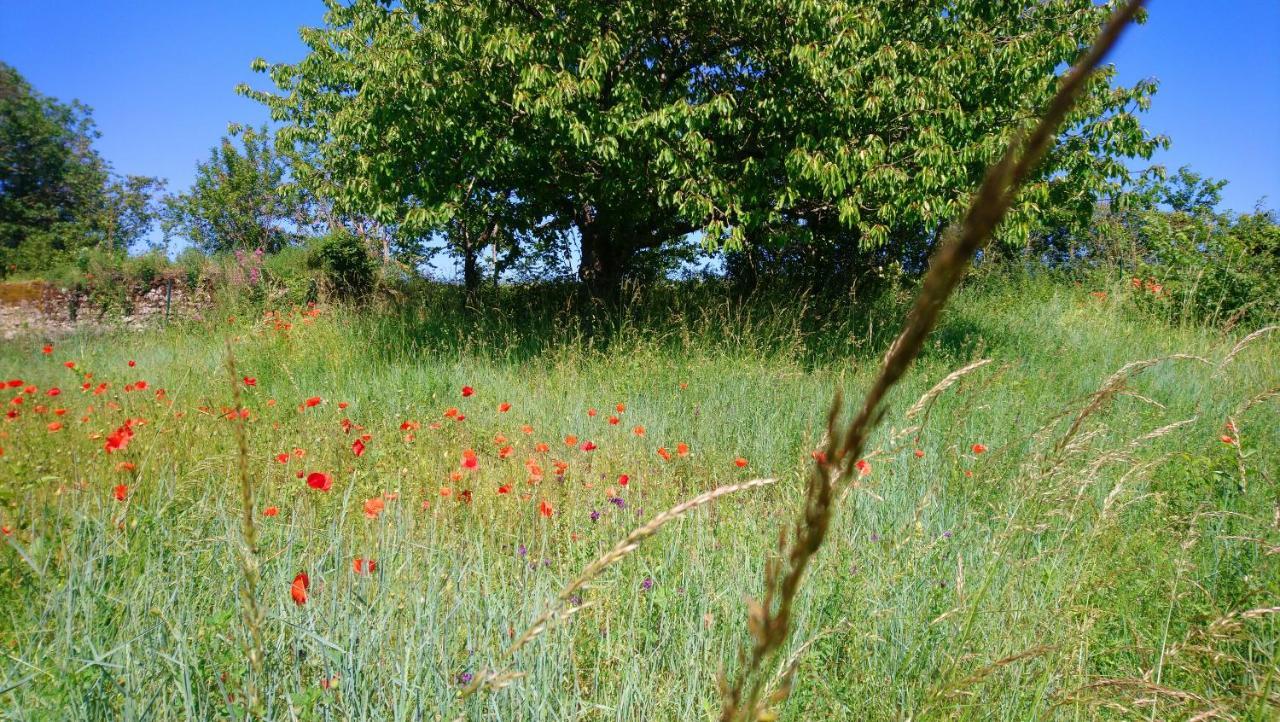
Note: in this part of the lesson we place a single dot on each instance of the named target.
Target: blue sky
(160, 76)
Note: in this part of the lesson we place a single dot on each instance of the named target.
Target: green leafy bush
(348, 269)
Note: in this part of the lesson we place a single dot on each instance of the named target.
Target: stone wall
(39, 309)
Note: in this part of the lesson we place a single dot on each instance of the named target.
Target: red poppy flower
(740, 462)
(620, 408)
(526, 429)
(14, 383)
(467, 391)
(357, 448)
(298, 590)
(504, 489)
(506, 452)
(55, 426)
(1224, 439)
(570, 440)
(250, 381)
(544, 508)
(638, 431)
(69, 364)
(320, 480)
(283, 458)
(592, 412)
(55, 391)
(588, 446)
(312, 402)
(121, 492)
(623, 480)
(614, 420)
(126, 466)
(504, 407)
(271, 511)
(132, 363)
(373, 507)
(119, 439)
(465, 496)
(408, 425)
(819, 456)
(682, 449)
(364, 566)
(48, 349)
(542, 447)
(451, 412)
(979, 449)
(666, 455)
(919, 453)
(863, 467)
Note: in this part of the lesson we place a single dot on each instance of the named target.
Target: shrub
(349, 271)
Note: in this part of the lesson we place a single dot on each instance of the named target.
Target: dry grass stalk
(769, 621)
(1260, 398)
(1112, 386)
(780, 685)
(1123, 453)
(943, 385)
(252, 612)
(557, 610)
(1241, 344)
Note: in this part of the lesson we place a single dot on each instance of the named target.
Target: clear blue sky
(160, 76)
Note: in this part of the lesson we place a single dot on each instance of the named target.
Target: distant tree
(241, 198)
(637, 123)
(57, 195)
(128, 210)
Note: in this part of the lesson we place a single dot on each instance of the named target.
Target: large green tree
(57, 195)
(637, 123)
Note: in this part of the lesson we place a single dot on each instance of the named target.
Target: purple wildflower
(595, 515)
(647, 584)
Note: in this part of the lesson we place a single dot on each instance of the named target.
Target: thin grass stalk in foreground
(557, 610)
(769, 621)
(252, 612)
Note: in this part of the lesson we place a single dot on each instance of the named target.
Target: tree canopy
(57, 195)
(637, 123)
(240, 199)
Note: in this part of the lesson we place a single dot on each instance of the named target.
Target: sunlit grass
(1024, 582)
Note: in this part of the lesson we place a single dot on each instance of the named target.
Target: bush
(349, 271)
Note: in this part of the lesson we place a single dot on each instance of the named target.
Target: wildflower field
(1071, 511)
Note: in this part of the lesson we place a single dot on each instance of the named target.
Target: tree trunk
(470, 270)
(603, 264)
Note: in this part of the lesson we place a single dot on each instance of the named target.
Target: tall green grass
(1096, 578)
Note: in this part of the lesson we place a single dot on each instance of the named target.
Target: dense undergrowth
(1058, 534)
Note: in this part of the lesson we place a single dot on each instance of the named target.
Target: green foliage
(240, 199)
(1188, 259)
(57, 195)
(635, 123)
(345, 263)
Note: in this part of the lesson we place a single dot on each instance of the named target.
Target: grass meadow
(1059, 533)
